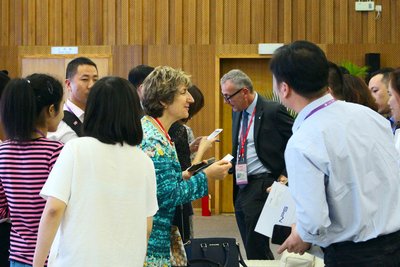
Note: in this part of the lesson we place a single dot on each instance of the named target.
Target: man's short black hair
(73, 65)
(385, 74)
(138, 74)
(113, 112)
(303, 66)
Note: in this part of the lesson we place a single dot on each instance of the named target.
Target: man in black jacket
(81, 74)
(260, 131)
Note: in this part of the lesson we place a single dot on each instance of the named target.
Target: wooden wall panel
(69, 22)
(82, 25)
(95, 17)
(56, 25)
(156, 55)
(136, 22)
(230, 22)
(314, 19)
(122, 23)
(271, 19)
(187, 22)
(355, 26)
(29, 22)
(204, 25)
(299, 20)
(176, 22)
(244, 18)
(162, 22)
(219, 22)
(125, 58)
(343, 18)
(5, 22)
(109, 17)
(287, 21)
(9, 60)
(257, 22)
(42, 22)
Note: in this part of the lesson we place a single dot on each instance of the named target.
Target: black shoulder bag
(210, 252)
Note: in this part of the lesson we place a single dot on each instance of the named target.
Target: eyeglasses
(228, 97)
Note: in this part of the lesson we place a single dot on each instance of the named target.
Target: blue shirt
(343, 173)
(254, 165)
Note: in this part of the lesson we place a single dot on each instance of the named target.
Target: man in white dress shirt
(81, 74)
(341, 164)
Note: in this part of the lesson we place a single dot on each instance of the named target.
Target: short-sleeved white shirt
(109, 190)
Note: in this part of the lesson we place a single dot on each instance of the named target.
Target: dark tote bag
(213, 252)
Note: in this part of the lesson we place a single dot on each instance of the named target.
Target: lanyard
(163, 130)
(243, 136)
(324, 105)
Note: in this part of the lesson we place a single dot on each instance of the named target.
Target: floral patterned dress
(172, 190)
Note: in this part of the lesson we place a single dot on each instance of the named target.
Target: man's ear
(67, 83)
(285, 89)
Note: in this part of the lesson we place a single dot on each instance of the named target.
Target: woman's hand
(204, 145)
(218, 170)
(194, 145)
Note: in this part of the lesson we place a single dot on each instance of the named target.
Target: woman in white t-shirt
(101, 193)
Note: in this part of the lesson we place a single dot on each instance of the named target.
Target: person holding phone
(260, 131)
(166, 100)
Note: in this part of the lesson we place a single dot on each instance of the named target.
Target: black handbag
(212, 252)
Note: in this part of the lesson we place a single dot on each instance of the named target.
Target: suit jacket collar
(258, 118)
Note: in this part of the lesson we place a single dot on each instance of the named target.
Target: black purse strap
(241, 260)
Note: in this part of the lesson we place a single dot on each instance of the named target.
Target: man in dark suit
(260, 131)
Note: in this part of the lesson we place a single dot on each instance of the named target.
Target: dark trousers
(383, 251)
(5, 229)
(248, 206)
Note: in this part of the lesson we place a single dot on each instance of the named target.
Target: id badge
(241, 173)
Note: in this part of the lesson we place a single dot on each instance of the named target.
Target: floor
(223, 225)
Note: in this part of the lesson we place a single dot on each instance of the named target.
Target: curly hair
(160, 88)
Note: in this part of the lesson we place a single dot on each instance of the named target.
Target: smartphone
(280, 234)
(228, 157)
(201, 165)
(214, 134)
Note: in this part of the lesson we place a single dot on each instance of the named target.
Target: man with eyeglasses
(260, 131)
(81, 74)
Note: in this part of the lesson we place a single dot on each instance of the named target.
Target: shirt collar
(309, 108)
(75, 109)
(252, 106)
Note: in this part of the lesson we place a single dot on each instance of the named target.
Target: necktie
(245, 122)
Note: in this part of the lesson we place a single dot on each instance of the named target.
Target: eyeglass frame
(227, 98)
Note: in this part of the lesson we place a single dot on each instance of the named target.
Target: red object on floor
(205, 206)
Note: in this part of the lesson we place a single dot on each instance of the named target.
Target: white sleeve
(63, 134)
(58, 184)
(152, 203)
(307, 187)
